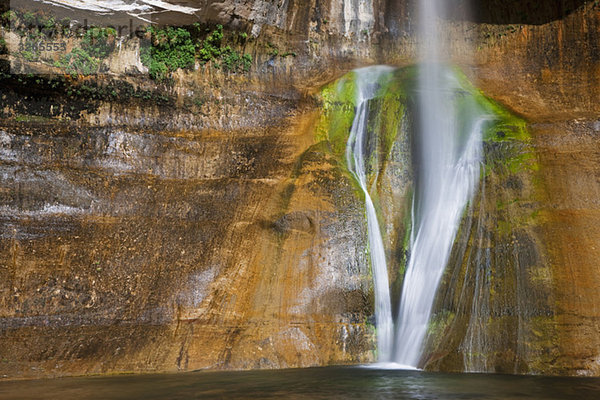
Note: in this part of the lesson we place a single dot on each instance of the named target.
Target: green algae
(505, 134)
(507, 142)
(338, 110)
(508, 171)
(440, 323)
(506, 137)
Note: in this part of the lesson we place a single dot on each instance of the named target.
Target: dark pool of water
(313, 383)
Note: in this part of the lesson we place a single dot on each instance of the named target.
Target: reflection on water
(313, 383)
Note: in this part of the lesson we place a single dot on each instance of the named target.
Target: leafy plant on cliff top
(96, 44)
(78, 62)
(172, 48)
(210, 47)
(3, 48)
(234, 61)
(211, 50)
(99, 42)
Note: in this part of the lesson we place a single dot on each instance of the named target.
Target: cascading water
(366, 86)
(447, 153)
(448, 156)
(446, 182)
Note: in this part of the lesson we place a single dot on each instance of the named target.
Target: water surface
(312, 383)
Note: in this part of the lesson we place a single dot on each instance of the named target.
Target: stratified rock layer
(146, 236)
(136, 250)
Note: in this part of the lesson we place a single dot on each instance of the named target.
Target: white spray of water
(366, 82)
(448, 164)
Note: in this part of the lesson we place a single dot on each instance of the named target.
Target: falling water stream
(367, 84)
(448, 176)
(448, 161)
(447, 155)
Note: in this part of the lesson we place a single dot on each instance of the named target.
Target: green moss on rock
(338, 110)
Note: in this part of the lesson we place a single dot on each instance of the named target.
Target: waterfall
(448, 156)
(366, 86)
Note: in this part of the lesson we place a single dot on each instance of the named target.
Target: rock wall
(552, 79)
(204, 225)
(135, 250)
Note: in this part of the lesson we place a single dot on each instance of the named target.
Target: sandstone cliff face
(521, 299)
(552, 79)
(215, 229)
(134, 250)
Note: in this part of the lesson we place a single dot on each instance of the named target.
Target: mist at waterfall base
(311, 383)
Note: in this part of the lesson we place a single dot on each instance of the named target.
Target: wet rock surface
(209, 229)
(136, 250)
